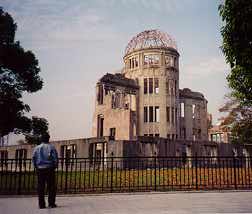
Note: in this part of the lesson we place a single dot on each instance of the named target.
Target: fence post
(66, 173)
(196, 166)
(155, 165)
(19, 161)
(112, 166)
(234, 165)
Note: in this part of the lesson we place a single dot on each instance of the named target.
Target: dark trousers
(46, 176)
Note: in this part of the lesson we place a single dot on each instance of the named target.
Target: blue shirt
(45, 156)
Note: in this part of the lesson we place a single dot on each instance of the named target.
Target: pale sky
(76, 42)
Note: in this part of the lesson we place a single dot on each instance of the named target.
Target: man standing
(45, 160)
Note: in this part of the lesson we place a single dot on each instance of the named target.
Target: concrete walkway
(147, 203)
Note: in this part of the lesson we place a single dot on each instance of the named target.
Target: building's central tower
(152, 59)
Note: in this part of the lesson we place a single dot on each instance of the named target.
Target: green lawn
(132, 180)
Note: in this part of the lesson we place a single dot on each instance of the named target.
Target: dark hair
(45, 137)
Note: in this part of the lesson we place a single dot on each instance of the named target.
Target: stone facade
(193, 120)
(218, 134)
(145, 99)
(115, 109)
(94, 148)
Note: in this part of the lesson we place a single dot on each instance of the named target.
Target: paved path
(146, 203)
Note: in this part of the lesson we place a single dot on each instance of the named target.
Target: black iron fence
(128, 174)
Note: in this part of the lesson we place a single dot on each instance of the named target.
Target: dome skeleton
(150, 39)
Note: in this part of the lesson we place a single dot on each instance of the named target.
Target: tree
(39, 126)
(237, 46)
(19, 73)
(238, 120)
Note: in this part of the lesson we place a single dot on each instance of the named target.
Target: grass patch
(131, 180)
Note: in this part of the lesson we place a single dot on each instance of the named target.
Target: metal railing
(128, 174)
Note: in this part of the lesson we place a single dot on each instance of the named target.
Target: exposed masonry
(145, 99)
(97, 148)
(142, 112)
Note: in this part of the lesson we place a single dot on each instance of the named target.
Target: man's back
(45, 156)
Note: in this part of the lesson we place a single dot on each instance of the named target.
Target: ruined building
(145, 99)
(142, 112)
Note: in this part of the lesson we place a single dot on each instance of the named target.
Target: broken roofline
(119, 80)
(188, 93)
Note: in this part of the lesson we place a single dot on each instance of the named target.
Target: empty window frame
(74, 150)
(235, 152)
(154, 114)
(175, 88)
(118, 97)
(173, 116)
(171, 87)
(156, 85)
(155, 59)
(21, 154)
(100, 95)
(167, 60)
(145, 85)
(151, 59)
(193, 110)
(112, 133)
(3, 154)
(157, 114)
(146, 59)
(183, 133)
(62, 151)
(182, 109)
(199, 133)
(167, 87)
(175, 60)
(176, 113)
(136, 62)
(117, 100)
(145, 114)
(133, 62)
(150, 85)
(100, 124)
(3, 157)
(68, 151)
(151, 114)
(168, 114)
(113, 101)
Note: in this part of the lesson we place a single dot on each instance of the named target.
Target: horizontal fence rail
(127, 174)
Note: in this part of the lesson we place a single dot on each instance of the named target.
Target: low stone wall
(143, 146)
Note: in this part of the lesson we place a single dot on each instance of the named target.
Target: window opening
(172, 115)
(167, 87)
(193, 111)
(151, 114)
(182, 108)
(150, 85)
(156, 86)
(168, 114)
(100, 95)
(145, 85)
(157, 114)
(100, 126)
(112, 133)
(145, 114)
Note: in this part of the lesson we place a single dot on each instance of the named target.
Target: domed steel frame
(150, 39)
